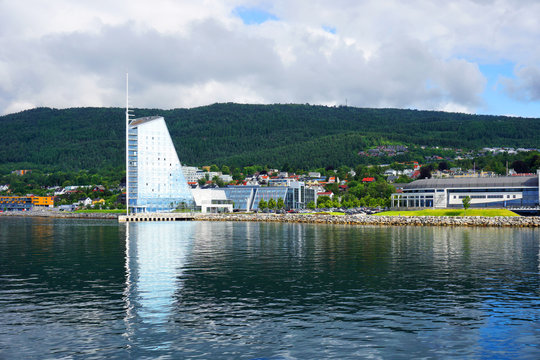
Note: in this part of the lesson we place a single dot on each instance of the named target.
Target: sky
(471, 56)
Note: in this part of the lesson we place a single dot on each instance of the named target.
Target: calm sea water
(99, 289)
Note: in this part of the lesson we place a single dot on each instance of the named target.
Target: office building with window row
(488, 192)
(247, 198)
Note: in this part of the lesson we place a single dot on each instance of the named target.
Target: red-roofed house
(326, 193)
(368, 179)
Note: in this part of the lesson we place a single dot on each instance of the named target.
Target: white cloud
(413, 54)
(526, 85)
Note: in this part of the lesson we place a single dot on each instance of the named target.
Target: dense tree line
(300, 136)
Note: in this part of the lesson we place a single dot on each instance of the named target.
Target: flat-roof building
(24, 203)
(211, 201)
(247, 198)
(495, 192)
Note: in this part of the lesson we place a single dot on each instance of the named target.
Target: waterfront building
(247, 198)
(211, 201)
(24, 203)
(241, 196)
(156, 182)
(270, 192)
(494, 192)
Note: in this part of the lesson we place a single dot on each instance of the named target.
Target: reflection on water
(256, 290)
(156, 254)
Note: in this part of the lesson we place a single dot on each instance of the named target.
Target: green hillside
(302, 136)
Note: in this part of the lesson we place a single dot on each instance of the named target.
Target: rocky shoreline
(60, 214)
(498, 221)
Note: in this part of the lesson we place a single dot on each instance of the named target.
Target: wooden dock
(156, 217)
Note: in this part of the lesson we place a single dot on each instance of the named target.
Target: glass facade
(156, 181)
(268, 193)
(247, 198)
(241, 196)
(481, 197)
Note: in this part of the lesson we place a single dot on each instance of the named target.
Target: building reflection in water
(156, 253)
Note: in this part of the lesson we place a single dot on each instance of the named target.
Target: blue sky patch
(330, 29)
(253, 16)
(497, 101)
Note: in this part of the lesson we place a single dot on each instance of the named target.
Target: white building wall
(205, 198)
(483, 198)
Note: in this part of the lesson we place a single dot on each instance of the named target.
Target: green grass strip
(110, 211)
(450, 212)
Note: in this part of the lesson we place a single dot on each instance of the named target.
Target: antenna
(127, 143)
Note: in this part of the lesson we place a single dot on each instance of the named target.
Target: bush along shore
(496, 221)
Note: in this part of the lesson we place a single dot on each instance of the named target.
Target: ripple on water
(255, 290)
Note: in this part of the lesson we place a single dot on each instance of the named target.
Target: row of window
(485, 196)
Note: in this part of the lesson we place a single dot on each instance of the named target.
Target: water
(99, 289)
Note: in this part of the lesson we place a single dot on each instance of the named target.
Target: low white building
(87, 202)
(494, 192)
(212, 200)
(226, 178)
(192, 173)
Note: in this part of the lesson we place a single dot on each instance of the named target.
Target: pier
(156, 217)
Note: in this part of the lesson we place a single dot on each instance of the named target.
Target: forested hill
(302, 136)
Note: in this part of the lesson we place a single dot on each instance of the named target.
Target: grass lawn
(450, 212)
(113, 211)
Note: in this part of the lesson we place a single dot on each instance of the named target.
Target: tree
(263, 204)
(403, 179)
(214, 168)
(520, 167)
(324, 201)
(443, 165)
(425, 172)
(217, 180)
(272, 203)
(466, 203)
(311, 205)
(333, 187)
(280, 203)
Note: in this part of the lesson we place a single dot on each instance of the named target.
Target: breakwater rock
(497, 221)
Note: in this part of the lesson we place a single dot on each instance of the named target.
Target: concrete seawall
(499, 221)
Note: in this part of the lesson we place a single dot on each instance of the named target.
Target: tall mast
(127, 144)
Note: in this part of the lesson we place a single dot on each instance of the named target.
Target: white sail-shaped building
(155, 182)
